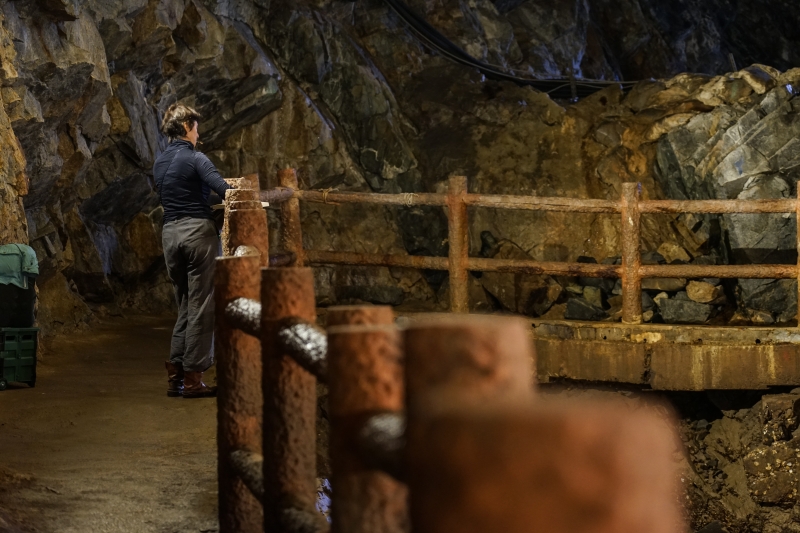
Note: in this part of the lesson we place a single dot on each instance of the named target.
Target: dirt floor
(97, 446)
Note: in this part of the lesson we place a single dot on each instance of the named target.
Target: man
(184, 179)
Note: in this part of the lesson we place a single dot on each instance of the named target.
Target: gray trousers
(190, 247)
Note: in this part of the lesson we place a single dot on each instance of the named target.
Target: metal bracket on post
(458, 239)
(631, 256)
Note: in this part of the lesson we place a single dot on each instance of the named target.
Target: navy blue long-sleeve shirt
(184, 179)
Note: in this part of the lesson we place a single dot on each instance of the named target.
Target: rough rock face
(346, 94)
(742, 469)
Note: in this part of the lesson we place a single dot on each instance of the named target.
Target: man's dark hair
(176, 116)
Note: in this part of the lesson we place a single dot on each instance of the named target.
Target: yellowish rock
(673, 252)
(703, 292)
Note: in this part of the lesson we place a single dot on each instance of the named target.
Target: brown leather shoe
(193, 386)
(174, 379)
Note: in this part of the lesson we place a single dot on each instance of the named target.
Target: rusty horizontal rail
(720, 271)
(554, 268)
(551, 268)
(536, 203)
(332, 197)
(718, 206)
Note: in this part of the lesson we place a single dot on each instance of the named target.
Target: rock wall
(344, 92)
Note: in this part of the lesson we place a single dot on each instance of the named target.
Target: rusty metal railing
(458, 263)
(434, 428)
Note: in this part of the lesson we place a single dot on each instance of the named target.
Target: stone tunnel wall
(344, 92)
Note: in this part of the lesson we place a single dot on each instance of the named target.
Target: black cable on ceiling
(556, 88)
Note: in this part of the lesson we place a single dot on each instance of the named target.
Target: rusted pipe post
(458, 239)
(468, 361)
(354, 315)
(366, 379)
(233, 196)
(248, 227)
(239, 393)
(631, 256)
(290, 401)
(582, 468)
(252, 181)
(292, 236)
(797, 220)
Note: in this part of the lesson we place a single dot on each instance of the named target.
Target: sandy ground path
(97, 446)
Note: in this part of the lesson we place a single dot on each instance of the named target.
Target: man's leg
(202, 248)
(176, 270)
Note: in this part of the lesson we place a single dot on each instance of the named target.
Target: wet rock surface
(344, 92)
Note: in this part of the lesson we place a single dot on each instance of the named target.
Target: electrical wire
(556, 88)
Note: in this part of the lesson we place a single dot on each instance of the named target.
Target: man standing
(184, 179)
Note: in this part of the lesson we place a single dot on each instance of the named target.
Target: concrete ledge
(668, 357)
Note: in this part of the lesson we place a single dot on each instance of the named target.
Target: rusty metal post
(252, 182)
(249, 227)
(365, 379)
(797, 277)
(239, 396)
(290, 400)
(631, 256)
(354, 315)
(292, 237)
(233, 196)
(458, 239)
(582, 468)
(468, 361)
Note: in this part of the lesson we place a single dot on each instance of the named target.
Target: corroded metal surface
(552, 268)
(241, 195)
(458, 242)
(668, 357)
(244, 314)
(307, 344)
(292, 235)
(249, 227)
(408, 199)
(290, 396)
(354, 315)
(718, 206)
(251, 181)
(572, 205)
(719, 271)
(239, 393)
(467, 360)
(581, 468)
(366, 379)
(631, 256)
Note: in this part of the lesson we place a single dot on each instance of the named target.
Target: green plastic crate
(18, 356)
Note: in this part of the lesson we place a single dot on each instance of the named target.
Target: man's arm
(210, 175)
